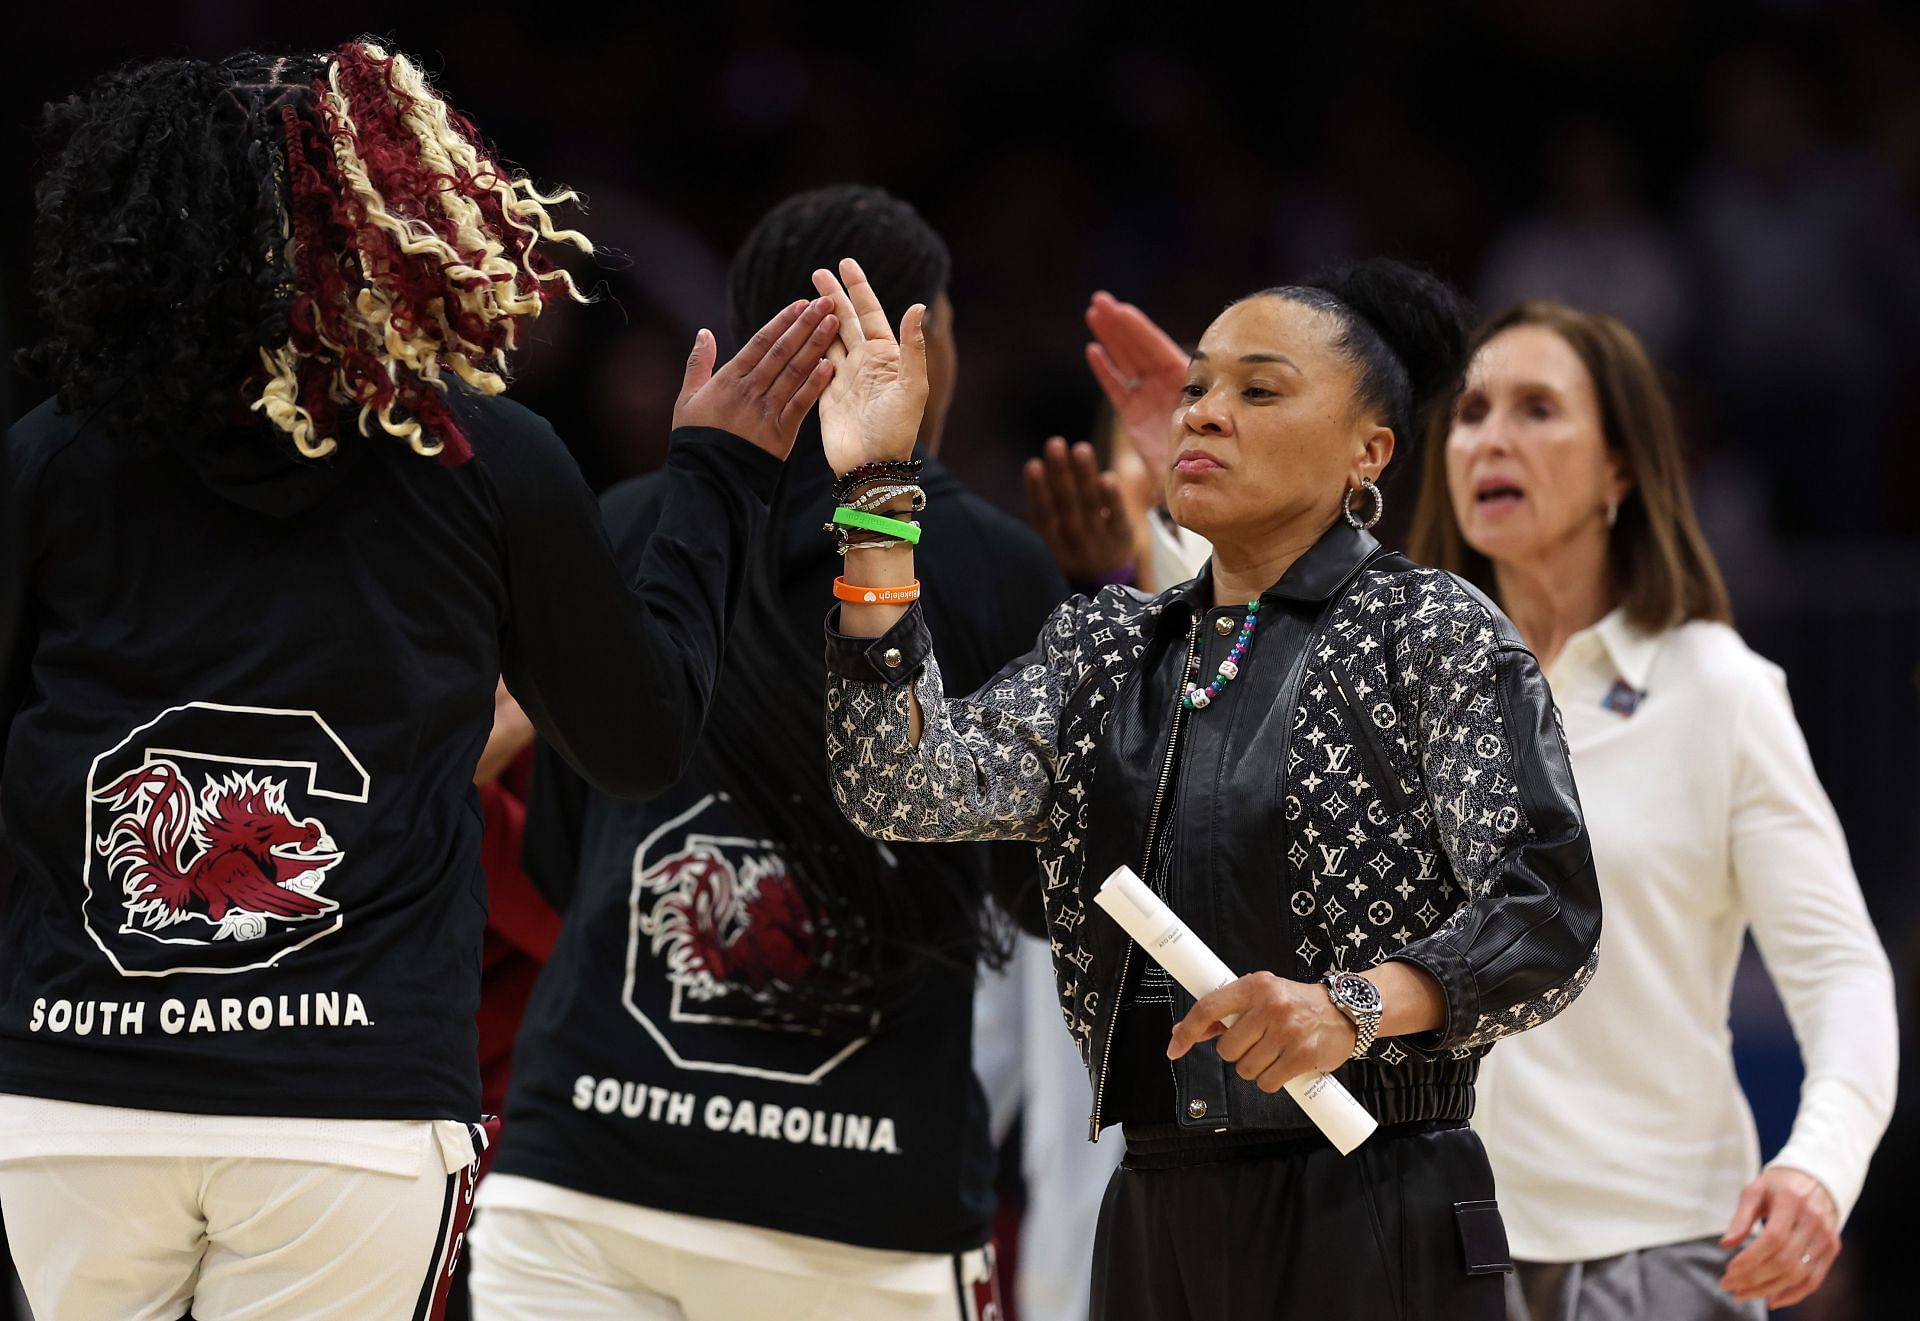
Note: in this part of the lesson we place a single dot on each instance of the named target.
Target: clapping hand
(871, 411)
(1079, 512)
(1142, 371)
(767, 387)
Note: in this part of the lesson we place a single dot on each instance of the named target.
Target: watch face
(1362, 994)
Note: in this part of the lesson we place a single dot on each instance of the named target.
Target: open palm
(871, 411)
(1142, 371)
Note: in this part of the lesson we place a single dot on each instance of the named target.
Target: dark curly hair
(309, 237)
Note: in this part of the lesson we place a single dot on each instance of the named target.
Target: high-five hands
(870, 412)
(765, 389)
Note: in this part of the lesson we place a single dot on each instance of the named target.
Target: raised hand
(1080, 513)
(765, 389)
(870, 412)
(1142, 371)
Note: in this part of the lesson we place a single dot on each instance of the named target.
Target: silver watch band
(1365, 1028)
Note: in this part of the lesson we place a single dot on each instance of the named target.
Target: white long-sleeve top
(1621, 1124)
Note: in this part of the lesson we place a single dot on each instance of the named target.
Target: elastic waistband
(1167, 1146)
(1444, 1095)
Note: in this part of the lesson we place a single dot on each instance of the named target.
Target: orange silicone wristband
(906, 595)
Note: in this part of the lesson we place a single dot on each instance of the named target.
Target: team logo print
(223, 864)
(717, 926)
(208, 847)
(726, 927)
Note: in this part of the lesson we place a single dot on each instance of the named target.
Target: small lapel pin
(1623, 698)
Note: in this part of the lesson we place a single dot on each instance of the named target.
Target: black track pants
(1404, 1229)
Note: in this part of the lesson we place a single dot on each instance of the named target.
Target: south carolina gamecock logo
(718, 927)
(725, 927)
(211, 839)
(223, 864)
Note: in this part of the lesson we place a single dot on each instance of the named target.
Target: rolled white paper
(1171, 942)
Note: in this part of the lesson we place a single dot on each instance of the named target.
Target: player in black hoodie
(261, 564)
(744, 1084)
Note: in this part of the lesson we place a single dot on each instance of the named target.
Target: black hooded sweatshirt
(652, 1067)
(242, 697)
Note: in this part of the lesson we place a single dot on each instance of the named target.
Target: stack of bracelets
(868, 488)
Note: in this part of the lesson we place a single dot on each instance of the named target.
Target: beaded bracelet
(873, 497)
(856, 493)
(883, 468)
(905, 470)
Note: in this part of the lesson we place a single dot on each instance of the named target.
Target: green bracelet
(893, 527)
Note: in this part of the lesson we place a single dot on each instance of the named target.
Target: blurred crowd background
(1740, 183)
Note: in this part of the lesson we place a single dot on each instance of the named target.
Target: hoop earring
(1613, 513)
(1379, 505)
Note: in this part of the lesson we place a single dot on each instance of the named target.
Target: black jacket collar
(1315, 576)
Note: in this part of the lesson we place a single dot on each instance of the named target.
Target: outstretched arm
(617, 671)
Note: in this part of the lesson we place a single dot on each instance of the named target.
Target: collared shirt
(1621, 1125)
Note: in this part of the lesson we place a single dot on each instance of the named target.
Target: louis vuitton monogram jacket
(1386, 779)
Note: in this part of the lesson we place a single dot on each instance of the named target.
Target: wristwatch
(1359, 999)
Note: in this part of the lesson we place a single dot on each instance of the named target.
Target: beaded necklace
(1198, 698)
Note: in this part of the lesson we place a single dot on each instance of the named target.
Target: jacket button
(892, 657)
(1196, 1109)
(1223, 625)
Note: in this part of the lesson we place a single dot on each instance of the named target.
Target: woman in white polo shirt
(1623, 1148)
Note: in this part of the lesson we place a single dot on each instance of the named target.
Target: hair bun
(1421, 317)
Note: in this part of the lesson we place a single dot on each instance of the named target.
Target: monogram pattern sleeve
(984, 766)
(1523, 942)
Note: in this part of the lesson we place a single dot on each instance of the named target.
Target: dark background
(1740, 182)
